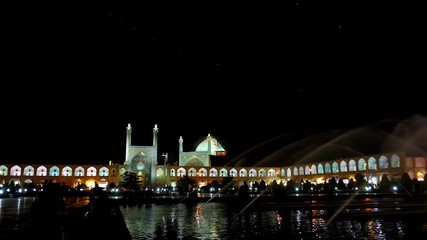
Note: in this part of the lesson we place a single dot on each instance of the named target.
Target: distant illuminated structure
(72, 175)
(201, 165)
(202, 156)
(141, 159)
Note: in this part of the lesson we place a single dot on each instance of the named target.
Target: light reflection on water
(220, 221)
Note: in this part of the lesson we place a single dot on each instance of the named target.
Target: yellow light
(90, 183)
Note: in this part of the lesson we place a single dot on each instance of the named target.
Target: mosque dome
(215, 146)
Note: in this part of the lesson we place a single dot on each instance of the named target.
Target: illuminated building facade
(198, 164)
(141, 159)
(71, 175)
(202, 156)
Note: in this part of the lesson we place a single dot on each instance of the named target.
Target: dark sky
(74, 75)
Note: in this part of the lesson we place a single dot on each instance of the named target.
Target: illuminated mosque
(143, 160)
(198, 164)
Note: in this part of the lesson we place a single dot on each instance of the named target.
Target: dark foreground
(97, 219)
(101, 218)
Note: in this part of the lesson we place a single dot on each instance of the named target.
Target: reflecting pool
(217, 220)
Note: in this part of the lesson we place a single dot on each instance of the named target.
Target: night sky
(74, 75)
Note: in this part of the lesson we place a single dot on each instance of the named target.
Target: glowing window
(352, 165)
(320, 168)
(395, 161)
(343, 166)
(335, 168)
(327, 168)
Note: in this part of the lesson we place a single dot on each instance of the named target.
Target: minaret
(180, 144)
(155, 132)
(128, 143)
(154, 155)
(181, 150)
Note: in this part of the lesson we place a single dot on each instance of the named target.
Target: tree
(130, 181)
(341, 184)
(274, 185)
(279, 190)
(291, 185)
(228, 185)
(394, 183)
(350, 184)
(282, 185)
(361, 183)
(227, 182)
(262, 185)
(306, 186)
(212, 184)
(332, 184)
(385, 184)
(406, 182)
(255, 187)
(111, 185)
(244, 190)
(185, 184)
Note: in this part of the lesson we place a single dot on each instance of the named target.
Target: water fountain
(216, 220)
(408, 136)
